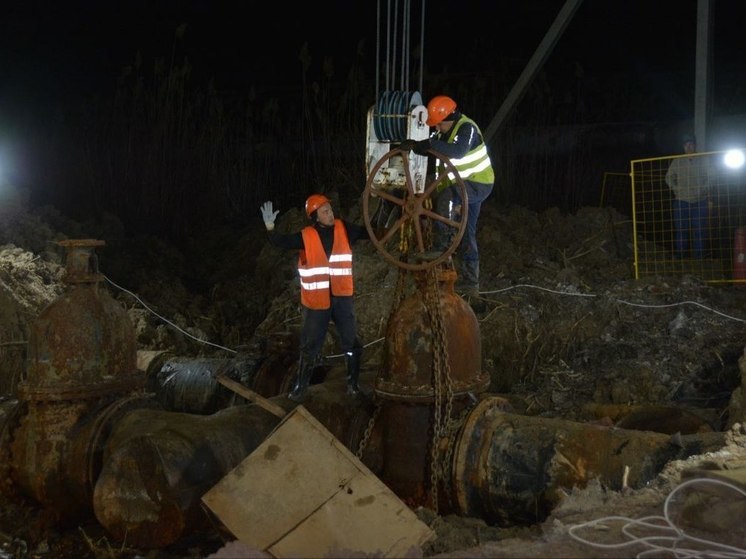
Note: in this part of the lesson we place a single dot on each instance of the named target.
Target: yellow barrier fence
(689, 217)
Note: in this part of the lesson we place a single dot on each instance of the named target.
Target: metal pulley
(392, 114)
(395, 117)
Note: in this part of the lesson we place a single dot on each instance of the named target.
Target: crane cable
(397, 23)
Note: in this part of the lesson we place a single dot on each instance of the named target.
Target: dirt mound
(566, 332)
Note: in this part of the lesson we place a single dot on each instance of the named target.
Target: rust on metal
(512, 469)
(81, 359)
(158, 464)
(83, 344)
(81, 262)
(407, 371)
(82, 440)
(406, 436)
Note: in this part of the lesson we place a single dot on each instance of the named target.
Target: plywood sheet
(302, 493)
(362, 516)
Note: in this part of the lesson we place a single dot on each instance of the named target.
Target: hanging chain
(442, 382)
(368, 430)
(427, 236)
(405, 232)
(442, 426)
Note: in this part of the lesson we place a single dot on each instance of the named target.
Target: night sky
(57, 50)
(57, 54)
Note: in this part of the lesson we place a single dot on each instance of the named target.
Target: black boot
(352, 360)
(303, 379)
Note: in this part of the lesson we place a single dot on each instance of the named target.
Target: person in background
(689, 180)
(326, 287)
(460, 139)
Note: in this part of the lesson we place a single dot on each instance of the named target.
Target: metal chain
(442, 382)
(368, 431)
(427, 236)
(445, 372)
(404, 233)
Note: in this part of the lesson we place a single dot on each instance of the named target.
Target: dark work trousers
(690, 219)
(468, 249)
(316, 323)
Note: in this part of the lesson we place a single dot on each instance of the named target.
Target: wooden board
(302, 493)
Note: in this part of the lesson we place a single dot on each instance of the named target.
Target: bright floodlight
(734, 158)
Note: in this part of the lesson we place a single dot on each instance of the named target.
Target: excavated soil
(567, 332)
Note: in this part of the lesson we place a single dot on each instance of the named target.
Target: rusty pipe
(506, 468)
(80, 368)
(158, 464)
(82, 345)
(513, 469)
(419, 329)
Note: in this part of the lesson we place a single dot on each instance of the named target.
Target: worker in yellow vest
(459, 138)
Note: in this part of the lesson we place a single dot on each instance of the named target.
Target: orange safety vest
(319, 275)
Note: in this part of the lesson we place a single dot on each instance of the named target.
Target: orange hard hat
(439, 108)
(314, 202)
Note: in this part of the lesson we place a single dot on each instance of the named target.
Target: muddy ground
(567, 332)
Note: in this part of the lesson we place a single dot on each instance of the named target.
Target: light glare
(734, 158)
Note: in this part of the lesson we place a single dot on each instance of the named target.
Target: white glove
(268, 215)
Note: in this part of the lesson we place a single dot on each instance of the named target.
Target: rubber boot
(303, 379)
(468, 275)
(352, 361)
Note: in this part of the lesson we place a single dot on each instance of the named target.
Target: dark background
(179, 115)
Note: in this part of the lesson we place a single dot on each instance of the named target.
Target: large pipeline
(79, 380)
(157, 464)
(86, 438)
(511, 469)
(506, 468)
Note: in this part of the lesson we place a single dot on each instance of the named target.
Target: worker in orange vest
(326, 287)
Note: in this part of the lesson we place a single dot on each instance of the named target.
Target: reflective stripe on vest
(475, 166)
(319, 275)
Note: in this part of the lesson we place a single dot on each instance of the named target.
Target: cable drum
(377, 118)
(392, 114)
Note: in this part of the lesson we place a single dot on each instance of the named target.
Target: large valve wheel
(401, 222)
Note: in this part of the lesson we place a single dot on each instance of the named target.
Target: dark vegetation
(173, 154)
(170, 156)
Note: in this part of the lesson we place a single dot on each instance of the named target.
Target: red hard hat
(439, 108)
(314, 202)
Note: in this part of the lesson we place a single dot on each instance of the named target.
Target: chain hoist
(442, 382)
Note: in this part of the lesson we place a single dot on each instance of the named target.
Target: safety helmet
(439, 108)
(314, 202)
